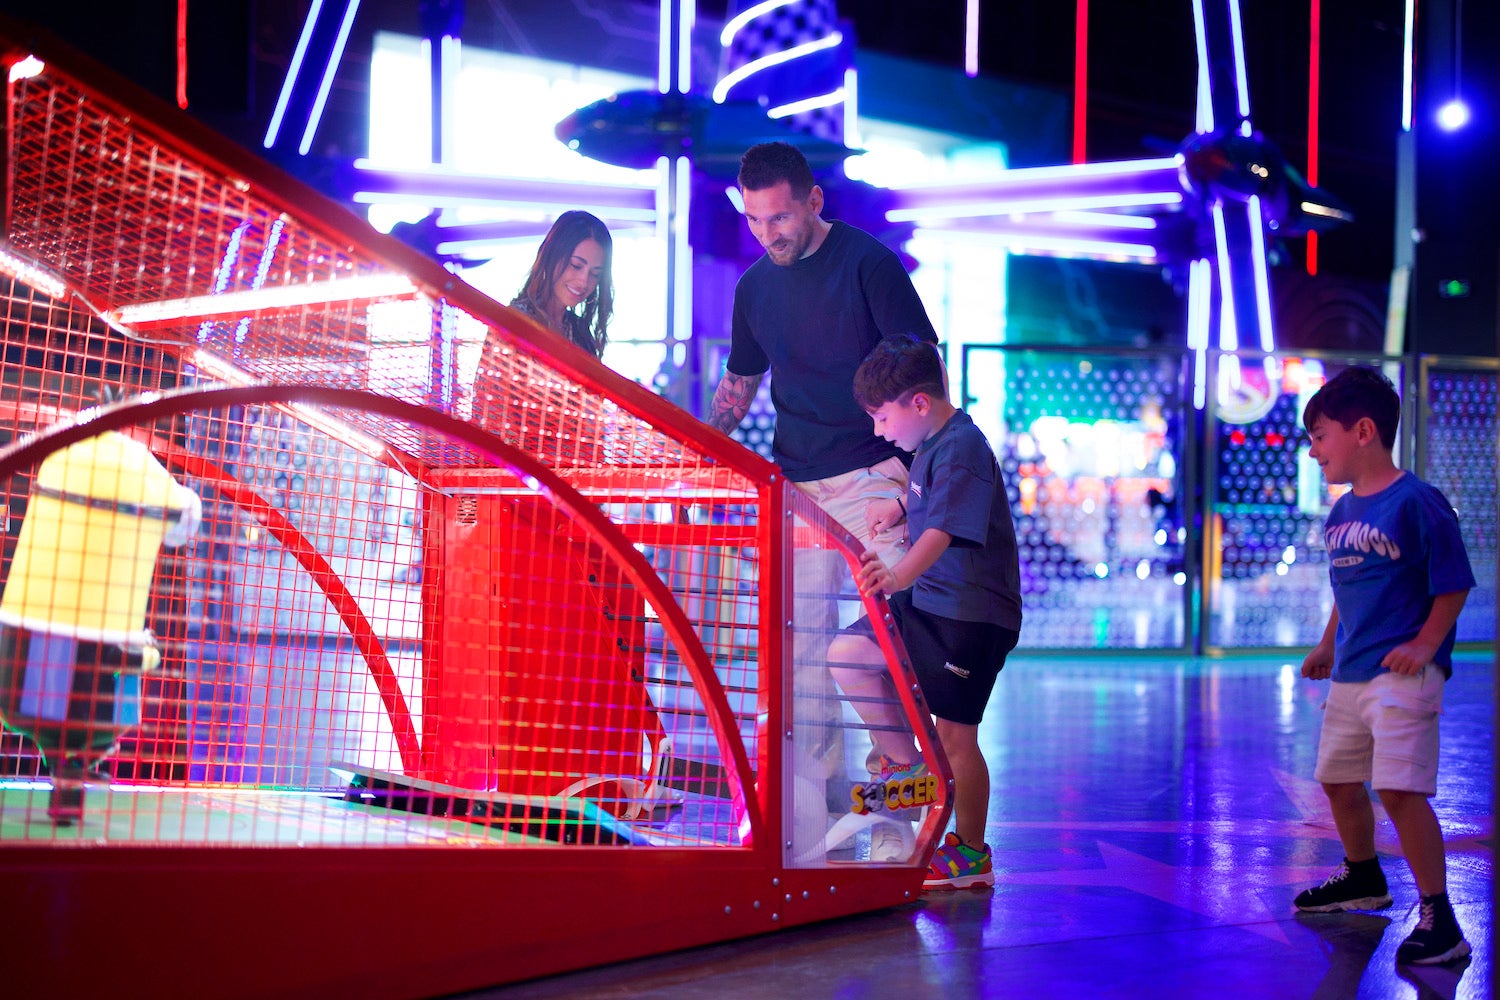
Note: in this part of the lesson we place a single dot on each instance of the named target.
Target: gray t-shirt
(956, 487)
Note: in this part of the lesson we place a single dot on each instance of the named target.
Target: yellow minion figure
(73, 636)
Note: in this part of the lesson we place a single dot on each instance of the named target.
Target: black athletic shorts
(956, 662)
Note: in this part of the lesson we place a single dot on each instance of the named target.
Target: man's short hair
(1353, 394)
(898, 368)
(769, 163)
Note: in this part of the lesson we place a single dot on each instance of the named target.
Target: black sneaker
(1436, 938)
(1346, 889)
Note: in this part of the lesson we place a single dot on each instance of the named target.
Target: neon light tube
(446, 187)
(1145, 169)
(663, 196)
(1081, 82)
(1025, 241)
(450, 52)
(971, 38)
(471, 238)
(851, 108)
(735, 76)
(806, 104)
(310, 293)
(1097, 185)
(664, 47)
(31, 275)
(683, 306)
(292, 71)
(1092, 248)
(1200, 291)
(334, 58)
(1326, 211)
(273, 240)
(1262, 280)
(1241, 86)
(744, 17)
(685, 46)
(1205, 117)
(1407, 58)
(1229, 336)
(1105, 219)
(1041, 226)
(1314, 93)
(226, 268)
(605, 211)
(1027, 206)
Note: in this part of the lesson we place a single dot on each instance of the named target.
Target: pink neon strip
(1081, 83)
(182, 100)
(1314, 71)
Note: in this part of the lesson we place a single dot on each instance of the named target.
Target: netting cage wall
(314, 554)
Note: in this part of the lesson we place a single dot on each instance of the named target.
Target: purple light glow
(1098, 186)
(1045, 235)
(443, 187)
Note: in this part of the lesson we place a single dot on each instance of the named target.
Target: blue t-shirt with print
(956, 487)
(1389, 555)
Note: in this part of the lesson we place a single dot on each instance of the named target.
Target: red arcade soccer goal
(349, 613)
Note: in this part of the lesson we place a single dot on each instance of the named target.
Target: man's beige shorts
(846, 496)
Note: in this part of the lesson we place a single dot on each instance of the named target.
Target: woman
(572, 269)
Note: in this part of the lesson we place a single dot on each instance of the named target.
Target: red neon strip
(1080, 82)
(182, 54)
(1314, 63)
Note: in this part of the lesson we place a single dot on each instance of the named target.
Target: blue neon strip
(334, 58)
(273, 238)
(292, 72)
(221, 277)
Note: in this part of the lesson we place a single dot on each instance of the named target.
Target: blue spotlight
(1453, 115)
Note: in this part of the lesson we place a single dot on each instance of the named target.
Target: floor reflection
(1151, 820)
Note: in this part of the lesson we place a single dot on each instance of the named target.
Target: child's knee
(1399, 802)
(848, 649)
(957, 737)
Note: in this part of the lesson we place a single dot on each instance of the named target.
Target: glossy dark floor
(1151, 821)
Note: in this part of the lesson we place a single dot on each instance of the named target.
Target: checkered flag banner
(791, 54)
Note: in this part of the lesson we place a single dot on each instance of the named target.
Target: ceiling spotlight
(1453, 115)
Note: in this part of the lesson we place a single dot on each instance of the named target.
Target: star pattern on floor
(1226, 898)
(1236, 897)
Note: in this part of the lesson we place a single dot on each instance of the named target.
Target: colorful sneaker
(956, 865)
(895, 770)
(1436, 938)
(1348, 888)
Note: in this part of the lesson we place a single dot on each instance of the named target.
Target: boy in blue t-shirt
(955, 595)
(1400, 576)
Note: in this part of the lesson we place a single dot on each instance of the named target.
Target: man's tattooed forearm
(732, 400)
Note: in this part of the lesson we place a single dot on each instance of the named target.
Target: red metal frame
(558, 435)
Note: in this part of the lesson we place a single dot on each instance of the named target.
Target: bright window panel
(505, 112)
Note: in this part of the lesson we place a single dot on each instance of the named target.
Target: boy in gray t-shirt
(955, 595)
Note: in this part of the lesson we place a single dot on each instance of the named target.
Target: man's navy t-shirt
(811, 324)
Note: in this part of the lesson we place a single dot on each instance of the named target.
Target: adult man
(809, 311)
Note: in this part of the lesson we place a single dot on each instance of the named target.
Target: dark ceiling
(1141, 67)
